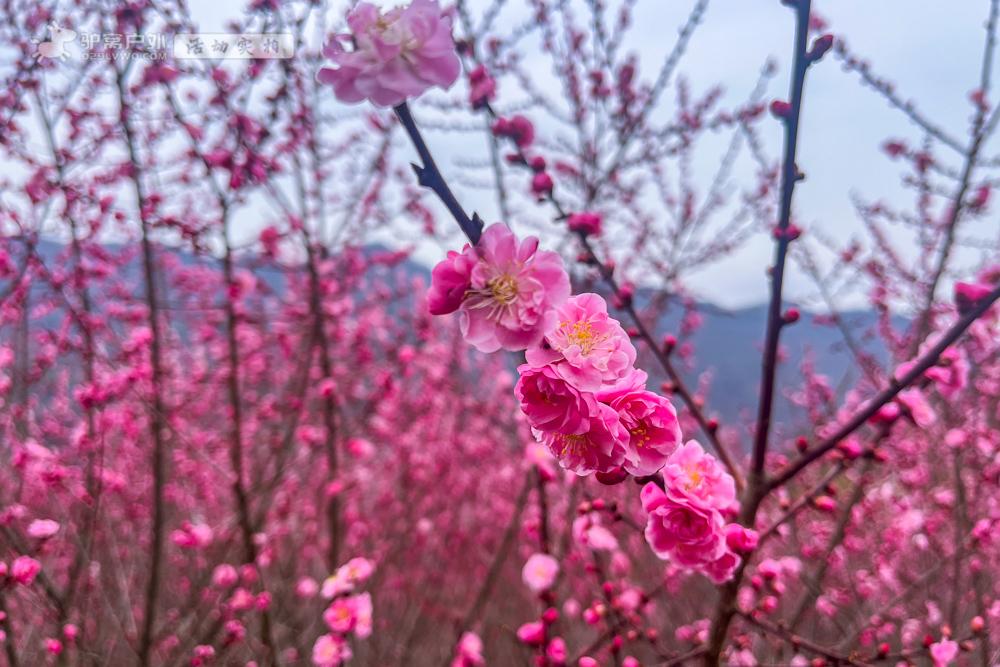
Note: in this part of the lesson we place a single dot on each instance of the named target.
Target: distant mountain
(727, 345)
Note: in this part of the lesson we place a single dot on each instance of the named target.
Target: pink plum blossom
(540, 572)
(551, 403)
(350, 614)
(469, 651)
(679, 530)
(600, 449)
(330, 651)
(587, 347)
(532, 633)
(24, 569)
(43, 529)
(693, 475)
(396, 55)
(653, 429)
(512, 289)
(944, 652)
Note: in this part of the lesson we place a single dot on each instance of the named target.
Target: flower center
(503, 288)
(581, 334)
(640, 434)
(694, 477)
(571, 443)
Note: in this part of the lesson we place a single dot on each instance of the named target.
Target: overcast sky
(931, 49)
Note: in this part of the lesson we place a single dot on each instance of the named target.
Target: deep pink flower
(540, 572)
(722, 568)
(586, 222)
(551, 403)
(397, 55)
(512, 290)
(532, 633)
(541, 184)
(330, 651)
(450, 280)
(653, 430)
(556, 651)
(694, 475)
(968, 295)
(587, 347)
(482, 87)
(600, 449)
(681, 531)
(350, 614)
(741, 539)
(24, 569)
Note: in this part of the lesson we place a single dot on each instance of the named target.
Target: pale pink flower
(944, 652)
(679, 530)
(24, 569)
(512, 292)
(330, 651)
(43, 529)
(469, 651)
(397, 55)
(347, 576)
(306, 587)
(600, 449)
(551, 403)
(224, 576)
(540, 572)
(587, 347)
(694, 475)
(919, 408)
(653, 429)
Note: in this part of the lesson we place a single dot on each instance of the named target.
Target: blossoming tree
(286, 447)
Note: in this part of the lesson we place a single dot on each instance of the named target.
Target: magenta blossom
(653, 430)
(450, 280)
(330, 651)
(551, 403)
(350, 614)
(469, 651)
(587, 346)
(681, 531)
(24, 569)
(600, 449)
(511, 291)
(722, 568)
(944, 652)
(693, 475)
(397, 55)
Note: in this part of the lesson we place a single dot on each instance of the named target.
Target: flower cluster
(685, 521)
(349, 613)
(578, 387)
(395, 56)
